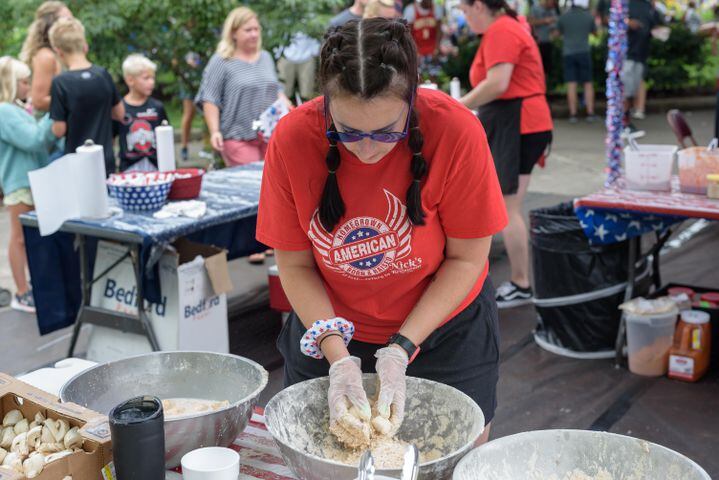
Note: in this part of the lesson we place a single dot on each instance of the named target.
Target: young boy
(142, 114)
(84, 98)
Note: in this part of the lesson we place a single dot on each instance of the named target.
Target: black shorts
(533, 146)
(463, 353)
(578, 68)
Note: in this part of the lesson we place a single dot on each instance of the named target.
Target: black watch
(406, 344)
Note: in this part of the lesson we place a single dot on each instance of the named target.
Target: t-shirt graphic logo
(141, 137)
(365, 247)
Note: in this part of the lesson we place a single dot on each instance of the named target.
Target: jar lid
(695, 317)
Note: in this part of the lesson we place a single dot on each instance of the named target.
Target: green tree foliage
(167, 30)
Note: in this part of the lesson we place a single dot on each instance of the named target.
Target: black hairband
(417, 154)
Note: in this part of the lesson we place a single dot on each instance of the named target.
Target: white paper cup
(211, 463)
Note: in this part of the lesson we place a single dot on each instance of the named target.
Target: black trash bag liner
(566, 265)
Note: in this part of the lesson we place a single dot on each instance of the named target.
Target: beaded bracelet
(308, 343)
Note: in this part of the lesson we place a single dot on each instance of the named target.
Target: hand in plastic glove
(350, 412)
(391, 369)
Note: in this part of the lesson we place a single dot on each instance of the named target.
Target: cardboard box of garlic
(44, 439)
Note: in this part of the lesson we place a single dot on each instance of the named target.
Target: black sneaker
(184, 154)
(511, 295)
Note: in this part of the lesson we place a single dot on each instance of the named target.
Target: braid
(418, 168)
(369, 59)
(332, 207)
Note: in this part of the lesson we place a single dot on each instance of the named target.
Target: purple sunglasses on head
(351, 137)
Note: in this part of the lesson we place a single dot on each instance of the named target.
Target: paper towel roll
(71, 187)
(91, 180)
(165, 140)
(455, 88)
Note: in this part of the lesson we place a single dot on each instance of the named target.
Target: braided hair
(367, 59)
(495, 6)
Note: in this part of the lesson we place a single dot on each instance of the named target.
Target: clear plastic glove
(350, 411)
(392, 372)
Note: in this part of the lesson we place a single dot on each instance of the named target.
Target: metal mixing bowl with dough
(575, 454)
(438, 417)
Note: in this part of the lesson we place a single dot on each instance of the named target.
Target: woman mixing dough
(381, 200)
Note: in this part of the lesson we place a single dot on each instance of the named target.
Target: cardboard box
(194, 280)
(94, 428)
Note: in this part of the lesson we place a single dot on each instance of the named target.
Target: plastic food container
(139, 191)
(187, 184)
(649, 339)
(650, 167)
(695, 164)
(211, 463)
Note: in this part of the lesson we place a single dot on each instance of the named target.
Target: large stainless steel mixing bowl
(200, 375)
(437, 417)
(559, 454)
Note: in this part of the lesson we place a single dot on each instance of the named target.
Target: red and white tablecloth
(260, 458)
(663, 203)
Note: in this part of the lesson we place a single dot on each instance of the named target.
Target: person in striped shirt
(238, 84)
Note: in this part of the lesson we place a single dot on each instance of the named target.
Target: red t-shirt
(425, 29)
(376, 265)
(507, 41)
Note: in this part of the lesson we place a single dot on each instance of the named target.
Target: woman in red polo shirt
(365, 199)
(509, 91)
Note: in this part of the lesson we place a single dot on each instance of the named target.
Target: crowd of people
(379, 198)
(53, 98)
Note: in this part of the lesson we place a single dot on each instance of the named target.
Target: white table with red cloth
(260, 458)
(616, 214)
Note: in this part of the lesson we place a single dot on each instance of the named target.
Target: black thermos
(137, 427)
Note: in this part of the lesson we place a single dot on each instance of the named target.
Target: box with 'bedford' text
(192, 313)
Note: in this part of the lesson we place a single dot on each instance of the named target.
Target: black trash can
(578, 287)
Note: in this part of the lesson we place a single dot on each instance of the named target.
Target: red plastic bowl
(186, 188)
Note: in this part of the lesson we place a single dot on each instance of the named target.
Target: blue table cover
(232, 197)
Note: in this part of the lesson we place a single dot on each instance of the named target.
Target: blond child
(84, 99)
(24, 146)
(138, 149)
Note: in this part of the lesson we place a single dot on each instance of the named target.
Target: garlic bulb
(33, 437)
(57, 456)
(3, 454)
(50, 447)
(19, 445)
(73, 439)
(8, 434)
(57, 428)
(11, 418)
(33, 465)
(21, 427)
(13, 461)
(47, 436)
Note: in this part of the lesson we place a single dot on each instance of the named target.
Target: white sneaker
(639, 115)
(23, 303)
(511, 295)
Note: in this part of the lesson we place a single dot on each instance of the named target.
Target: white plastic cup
(211, 463)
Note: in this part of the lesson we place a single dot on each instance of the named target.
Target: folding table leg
(85, 285)
(141, 315)
(634, 246)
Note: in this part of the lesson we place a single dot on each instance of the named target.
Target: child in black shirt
(84, 98)
(138, 149)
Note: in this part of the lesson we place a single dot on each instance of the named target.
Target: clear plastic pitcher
(649, 339)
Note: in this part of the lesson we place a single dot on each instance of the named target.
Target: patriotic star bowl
(140, 191)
